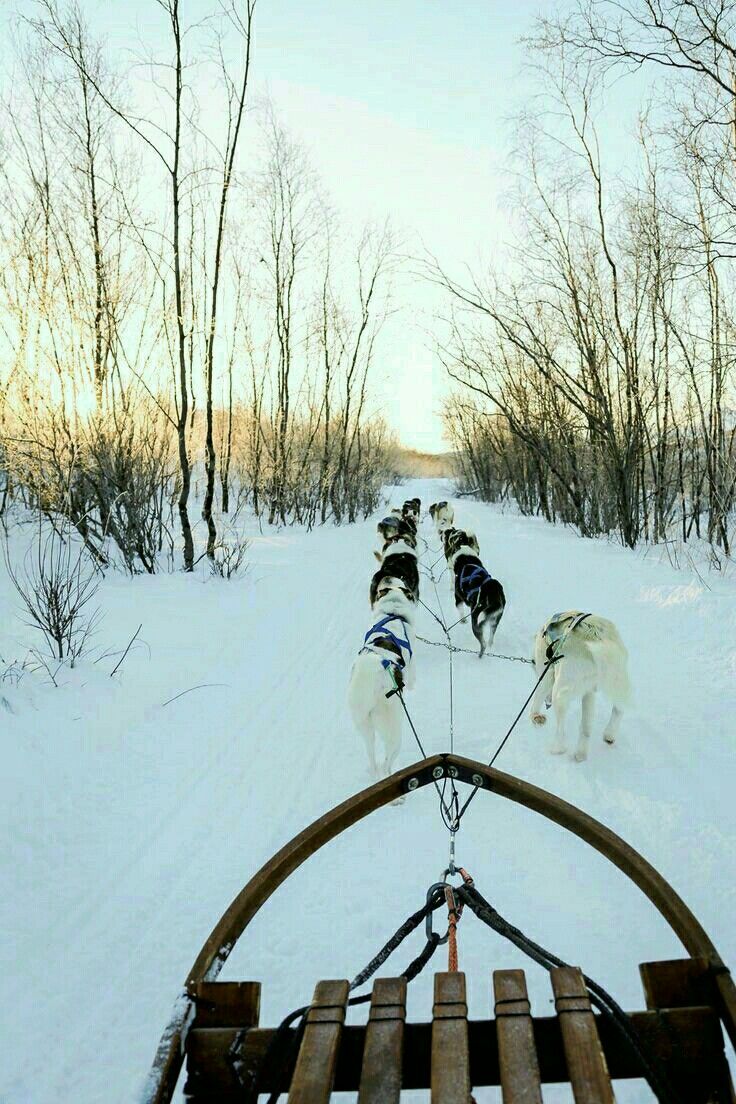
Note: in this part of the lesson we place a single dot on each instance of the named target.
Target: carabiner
(428, 921)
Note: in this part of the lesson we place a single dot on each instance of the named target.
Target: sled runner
(230, 1057)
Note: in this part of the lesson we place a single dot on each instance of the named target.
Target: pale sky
(410, 96)
(404, 107)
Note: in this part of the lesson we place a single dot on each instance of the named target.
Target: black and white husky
(384, 663)
(594, 658)
(388, 526)
(403, 532)
(412, 509)
(443, 515)
(475, 587)
(398, 561)
(452, 536)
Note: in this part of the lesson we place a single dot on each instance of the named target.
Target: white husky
(594, 659)
(386, 660)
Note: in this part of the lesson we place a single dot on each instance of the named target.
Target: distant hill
(436, 465)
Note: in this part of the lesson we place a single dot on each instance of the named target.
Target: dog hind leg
(610, 732)
(487, 628)
(390, 730)
(587, 712)
(367, 730)
(561, 697)
(543, 693)
(477, 627)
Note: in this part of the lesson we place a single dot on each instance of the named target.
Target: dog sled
(675, 1041)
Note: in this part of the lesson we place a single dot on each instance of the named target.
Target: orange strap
(465, 876)
(453, 915)
(454, 912)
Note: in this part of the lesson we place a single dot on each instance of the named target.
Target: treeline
(596, 384)
(186, 326)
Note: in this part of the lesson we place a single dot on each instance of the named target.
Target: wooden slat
(693, 1034)
(586, 1062)
(380, 1079)
(679, 983)
(221, 1004)
(314, 1072)
(450, 1074)
(517, 1054)
(226, 1003)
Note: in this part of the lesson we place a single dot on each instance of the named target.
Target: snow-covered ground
(128, 825)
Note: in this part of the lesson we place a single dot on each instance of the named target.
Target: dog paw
(580, 756)
(608, 738)
(539, 719)
(557, 749)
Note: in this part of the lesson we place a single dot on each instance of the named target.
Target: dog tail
(493, 597)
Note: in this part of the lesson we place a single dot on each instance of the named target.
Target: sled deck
(215, 1025)
(226, 1047)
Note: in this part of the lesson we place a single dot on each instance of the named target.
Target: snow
(128, 825)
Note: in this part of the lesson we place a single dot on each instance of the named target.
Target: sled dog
(593, 658)
(388, 527)
(384, 662)
(475, 587)
(443, 515)
(398, 561)
(403, 532)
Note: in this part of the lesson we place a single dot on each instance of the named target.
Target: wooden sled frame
(215, 952)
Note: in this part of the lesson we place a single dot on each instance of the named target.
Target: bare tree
(586, 377)
(165, 139)
(253, 334)
(236, 106)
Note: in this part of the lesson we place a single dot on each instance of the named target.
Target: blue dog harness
(380, 631)
(472, 578)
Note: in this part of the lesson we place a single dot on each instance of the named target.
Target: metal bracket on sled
(427, 775)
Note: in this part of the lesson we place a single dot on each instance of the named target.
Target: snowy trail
(128, 826)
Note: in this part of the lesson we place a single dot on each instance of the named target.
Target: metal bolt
(477, 779)
(452, 771)
(412, 783)
(438, 772)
